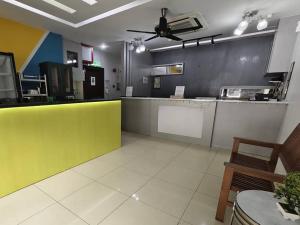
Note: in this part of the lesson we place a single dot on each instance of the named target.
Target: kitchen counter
(208, 122)
(29, 104)
(40, 141)
(206, 100)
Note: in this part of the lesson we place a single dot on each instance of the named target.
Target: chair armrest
(256, 143)
(255, 172)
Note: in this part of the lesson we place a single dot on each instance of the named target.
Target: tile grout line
(130, 197)
(195, 192)
(59, 203)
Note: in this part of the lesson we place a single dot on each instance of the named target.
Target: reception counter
(207, 122)
(40, 141)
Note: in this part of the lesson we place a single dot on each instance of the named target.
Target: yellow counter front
(37, 142)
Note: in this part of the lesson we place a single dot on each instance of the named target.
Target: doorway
(93, 86)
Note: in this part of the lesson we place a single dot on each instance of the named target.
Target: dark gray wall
(208, 68)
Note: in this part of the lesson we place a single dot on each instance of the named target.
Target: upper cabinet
(284, 44)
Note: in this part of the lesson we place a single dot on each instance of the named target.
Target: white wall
(292, 116)
(283, 46)
(109, 62)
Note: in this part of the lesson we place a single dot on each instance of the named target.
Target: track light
(213, 40)
(262, 24)
(238, 32)
(183, 45)
(142, 48)
(198, 44)
(243, 25)
(131, 47)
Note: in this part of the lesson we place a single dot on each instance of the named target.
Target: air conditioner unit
(186, 21)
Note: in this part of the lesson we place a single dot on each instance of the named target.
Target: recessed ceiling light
(60, 6)
(90, 2)
(103, 46)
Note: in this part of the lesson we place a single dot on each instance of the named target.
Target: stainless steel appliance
(252, 93)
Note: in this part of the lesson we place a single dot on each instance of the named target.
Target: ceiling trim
(82, 23)
(193, 44)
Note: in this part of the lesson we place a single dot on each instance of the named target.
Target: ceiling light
(142, 48)
(60, 6)
(238, 32)
(80, 24)
(243, 25)
(103, 46)
(262, 24)
(131, 47)
(138, 50)
(90, 2)
(113, 12)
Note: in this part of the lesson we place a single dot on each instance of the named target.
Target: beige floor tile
(95, 169)
(63, 184)
(210, 185)
(124, 180)
(201, 210)
(116, 157)
(54, 215)
(94, 202)
(145, 166)
(181, 176)
(22, 204)
(167, 197)
(133, 212)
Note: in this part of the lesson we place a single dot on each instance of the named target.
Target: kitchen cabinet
(283, 46)
(59, 79)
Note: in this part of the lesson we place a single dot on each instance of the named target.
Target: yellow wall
(19, 39)
(40, 141)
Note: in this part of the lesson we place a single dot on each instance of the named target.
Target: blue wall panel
(51, 50)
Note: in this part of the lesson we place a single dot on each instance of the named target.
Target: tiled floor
(149, 181)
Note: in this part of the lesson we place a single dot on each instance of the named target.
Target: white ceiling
(222, 16)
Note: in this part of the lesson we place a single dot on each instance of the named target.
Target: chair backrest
(290, 151)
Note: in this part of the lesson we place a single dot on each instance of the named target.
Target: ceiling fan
(163, 29)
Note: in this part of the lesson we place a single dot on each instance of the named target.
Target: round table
(258, 208)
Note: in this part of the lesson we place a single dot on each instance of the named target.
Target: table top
(261, 207)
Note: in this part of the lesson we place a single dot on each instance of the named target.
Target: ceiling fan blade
(185, 30)
(171, 36)
(156, 36)
(139, 31)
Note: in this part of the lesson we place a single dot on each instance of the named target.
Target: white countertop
(206, 100)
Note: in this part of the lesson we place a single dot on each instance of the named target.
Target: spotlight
(243, 25)
(131, 47)
(142, 48)
(238, 32)
(138, 50)
(262, 24)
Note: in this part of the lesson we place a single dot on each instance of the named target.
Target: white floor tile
(54, 215)
(195, 158)
(94, 202)
(180, 176)
(167, 197)
(217, 166)
(95, 169)
(210, 185)
(133, 212)
(124, 180)
(63, 184)
(201, 210)
(22, 204)
(145, 166)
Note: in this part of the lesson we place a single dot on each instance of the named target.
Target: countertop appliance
(249, 93)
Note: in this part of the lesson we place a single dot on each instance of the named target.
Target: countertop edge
(206, 100)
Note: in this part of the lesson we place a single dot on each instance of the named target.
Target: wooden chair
(249, 173)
